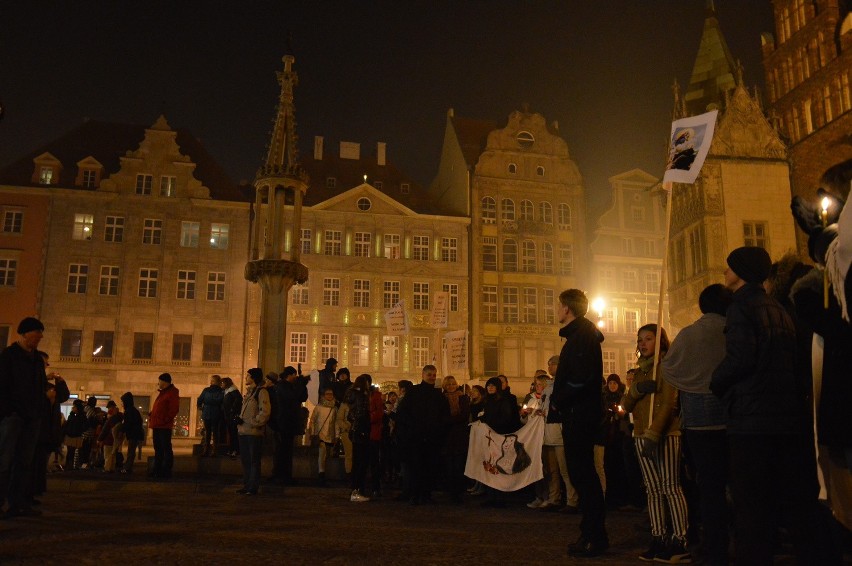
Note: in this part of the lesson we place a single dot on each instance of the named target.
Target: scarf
(453, 399)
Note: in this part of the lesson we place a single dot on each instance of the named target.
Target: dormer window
(405, 188)
(89, 179)
(513, 168)
(45, 175)
(330, 182)
(46, 169)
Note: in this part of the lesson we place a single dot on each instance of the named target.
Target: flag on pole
(507, 462)
(689, 145)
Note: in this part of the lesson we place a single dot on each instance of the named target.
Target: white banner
(505, 462)
(440, 308)
(688, 147)
(455, 354)
(397, 320)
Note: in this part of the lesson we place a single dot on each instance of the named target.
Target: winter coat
(422, 416)
(210, 402)
(106, 435)
(289, 399)
(666, 418)
(757, 379)
(255, 412)
(323, 422)
(76, 425)
(501, 413)
(22, 383)
(377, 414)
(340, 388)
(458, 430)
(577, 384)
(358, 415)
(232, 403)
(165, 408)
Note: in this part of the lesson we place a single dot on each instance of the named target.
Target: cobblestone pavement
(92, 518)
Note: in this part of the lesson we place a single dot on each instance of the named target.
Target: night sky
(369, 71)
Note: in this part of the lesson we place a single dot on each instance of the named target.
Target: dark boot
(658, 545)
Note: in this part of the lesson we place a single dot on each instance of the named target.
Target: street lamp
(598, 305)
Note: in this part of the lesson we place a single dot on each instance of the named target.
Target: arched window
(510, 255)
(547, 257)
(527, 211)
(564, 216)
(545, 213)
(539, 171)
(513, 168)
(489, 210)
(507, 209)
(528, 258)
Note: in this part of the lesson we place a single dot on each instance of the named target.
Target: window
(331, 292)
(328, 343)
(108, 284)
(181, 347)
(392, 247)
(391, 294)
(299, 347)
(453, 290)
(510, 304)
(299, 293)
(148, 282)
(563, 216)
(539, 171)
(627, 246)
(547, 257)
(144, 184)
(45, 175)
(631, 321)
(361, 288)
(510, 255)
(754, 234)
(421, 248)
(305, 241)
(527, 211)
(545, 213)
(489, 253)
(364, 204)
(608, 318)
(449, 249)
(363, 242)
(652, 281)
(404, 188)
(507, 210)
(489, 303)
(490, 357)
(651, 247)
(71, 343)
(332, 242)
(489, 210)
(549, 306)
(629, 360)
(513, 168)
(330, 182)
(530, 305)
(152, 232)
(378, 184)
(421, 296)
(78, 278)
(390, 351)
(359, 353)
(637, 213)
(114, 229)
(528, 256)
(631, 281)
(186, 285)
(219, 236)
(83, 226)
(167, 186)
(566, 259)
(13, 221)
(189, 234)
(697, 249)
(143, 345)
(679, 260)
(608, 362)
(215, 285)
(525, 139)
(102, 345)
(420, 348)
(608, 279)
(211, 349)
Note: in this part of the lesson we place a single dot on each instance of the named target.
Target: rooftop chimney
(318, 148)
(381, 151)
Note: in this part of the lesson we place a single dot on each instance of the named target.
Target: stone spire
(282, 158)
(713, 71)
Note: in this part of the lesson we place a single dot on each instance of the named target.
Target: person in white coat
(251, 424)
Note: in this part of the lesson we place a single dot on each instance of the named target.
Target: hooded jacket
(255, 412)
(22, 382)
(577, 384)
(133, 429)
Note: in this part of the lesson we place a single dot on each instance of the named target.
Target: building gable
(380, 203)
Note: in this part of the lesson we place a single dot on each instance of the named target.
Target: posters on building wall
(396, 320)
(440, 310)
(688, 147)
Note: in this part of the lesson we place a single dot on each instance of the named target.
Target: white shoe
(356, 497)
(535, 503)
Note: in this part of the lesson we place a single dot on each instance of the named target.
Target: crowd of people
(716, 425)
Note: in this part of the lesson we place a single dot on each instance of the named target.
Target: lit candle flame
(826, 202)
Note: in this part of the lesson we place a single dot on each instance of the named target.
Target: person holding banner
(577, 396)
(500, 412)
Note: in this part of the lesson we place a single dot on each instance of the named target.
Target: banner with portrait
(689, 145)
(507, 462)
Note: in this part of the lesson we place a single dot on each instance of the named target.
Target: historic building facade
(526, 202)
(626, 259)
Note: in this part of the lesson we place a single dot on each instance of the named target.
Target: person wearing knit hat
(30, 324)
(758, 386)
(256, 374)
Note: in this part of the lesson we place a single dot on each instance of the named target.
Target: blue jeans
(251, 448)
(18, 439)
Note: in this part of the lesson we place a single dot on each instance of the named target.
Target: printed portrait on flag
(506, 462)
(688, 147)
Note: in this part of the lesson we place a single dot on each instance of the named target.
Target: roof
(108, 142)
(712, 73)
(473, 136)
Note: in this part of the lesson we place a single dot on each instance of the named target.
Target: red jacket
(165, 408)
(377, 413)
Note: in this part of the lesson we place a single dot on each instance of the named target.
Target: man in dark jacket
(210, 402)
(134, 432)
(290, 391)
(577, 397)
(766, 415)
(231, 406)
(422, 420)
(326, 375)
(22, 392)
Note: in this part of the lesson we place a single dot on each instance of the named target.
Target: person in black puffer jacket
(358, 400)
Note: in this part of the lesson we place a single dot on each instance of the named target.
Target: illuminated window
(299, 294)
(390, 351)
(219, 236)
(78, 278)
(392, 246)
(359, 354)
(361, 288)
(186, 285)
(420, 349)
(329, 346)
(331, 292)
(167, 186)
(45, 175)
(298, 347)
(421, 296)
(84, 225)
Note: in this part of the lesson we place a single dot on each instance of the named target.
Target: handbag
(73, 441)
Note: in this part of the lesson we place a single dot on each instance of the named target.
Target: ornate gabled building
(742, 195)
(626, 259)
(142, 250)
(525, 198)
(808, 66)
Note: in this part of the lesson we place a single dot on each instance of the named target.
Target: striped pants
(662, 484)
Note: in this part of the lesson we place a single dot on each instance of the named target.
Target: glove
(645, 387)
(649, 446)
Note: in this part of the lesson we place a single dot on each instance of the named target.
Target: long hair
(664, 338)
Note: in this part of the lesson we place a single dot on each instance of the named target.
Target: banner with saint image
(689, 145)
(507, 462)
